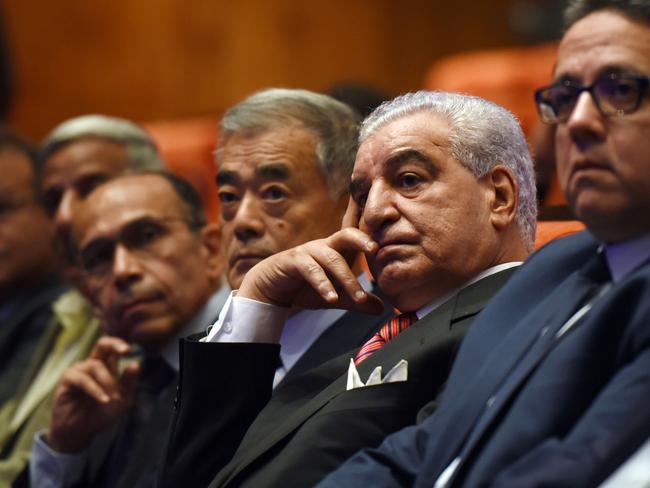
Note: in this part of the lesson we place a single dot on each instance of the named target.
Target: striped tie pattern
(385, 334)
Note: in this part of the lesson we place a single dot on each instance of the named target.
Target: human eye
(97, 257)
(143, 234)
(619, 91)
(408, 180)
(274, 193)
(51, 199)
(227, 196)
(89, 183)
(563, 96)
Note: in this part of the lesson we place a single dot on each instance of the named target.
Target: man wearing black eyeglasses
(551, 385)
(150, 264)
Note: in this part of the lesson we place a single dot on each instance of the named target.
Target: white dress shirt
(264, 323)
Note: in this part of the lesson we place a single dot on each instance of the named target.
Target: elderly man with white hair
(443, 206)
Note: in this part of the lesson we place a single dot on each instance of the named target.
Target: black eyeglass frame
(542, 100)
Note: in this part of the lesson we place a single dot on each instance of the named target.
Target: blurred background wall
(160, 59)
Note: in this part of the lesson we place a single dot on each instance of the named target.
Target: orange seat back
(187, 146)
(549, 230)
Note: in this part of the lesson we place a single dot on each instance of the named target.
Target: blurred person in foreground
(551, 385)
(443, 205)
(75, 157)
(151, 267)
(28, 278)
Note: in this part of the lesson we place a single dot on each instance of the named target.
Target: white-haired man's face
(433, 220)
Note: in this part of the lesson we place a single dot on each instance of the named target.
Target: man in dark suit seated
(443, 205)
(28, 283)
(551, 385)
(151, 266)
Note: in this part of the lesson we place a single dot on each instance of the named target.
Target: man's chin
(152, 335)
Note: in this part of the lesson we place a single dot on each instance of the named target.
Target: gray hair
(633, 9)
(140, 147)
(334, 124)
(482, 135)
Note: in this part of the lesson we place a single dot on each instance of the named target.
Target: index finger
(352, 215)
(109, 349)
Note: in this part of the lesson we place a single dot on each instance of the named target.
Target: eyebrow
(401, 157)
(409, 155)
(129, 226)
(225, 177)
(275, 171)
(603, 71)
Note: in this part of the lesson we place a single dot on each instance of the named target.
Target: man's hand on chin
(316, 274)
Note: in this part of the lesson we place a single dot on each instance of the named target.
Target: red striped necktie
(389, 330)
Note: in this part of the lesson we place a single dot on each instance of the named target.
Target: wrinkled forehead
(276, 152)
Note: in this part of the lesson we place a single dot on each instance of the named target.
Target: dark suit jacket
(21, 333)
(230, 430)
(523, 408)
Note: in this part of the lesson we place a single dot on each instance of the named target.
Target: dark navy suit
(524, 408)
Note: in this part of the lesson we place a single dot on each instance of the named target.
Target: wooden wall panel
(156, 59)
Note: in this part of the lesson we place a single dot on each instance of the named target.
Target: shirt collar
(625, 257)
(197, 323)
(296, 338)
(432, 305)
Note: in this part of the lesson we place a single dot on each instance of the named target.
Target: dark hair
(189, 196)
(11, 140)
(638, 10)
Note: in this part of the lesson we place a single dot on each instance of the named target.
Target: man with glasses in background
(551, 385)
(151, 266)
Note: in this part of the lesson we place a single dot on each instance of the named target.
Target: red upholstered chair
(549, 230)
(187, 146)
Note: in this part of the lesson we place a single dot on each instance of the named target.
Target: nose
(63, 226)
(586, 124)
(66, 209)
(248, 221)
(127, 268)
(379, 211)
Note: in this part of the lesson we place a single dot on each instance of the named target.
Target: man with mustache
(443, 206)
(28, 282)
(151, 266)
(75, 157)
(551, 385)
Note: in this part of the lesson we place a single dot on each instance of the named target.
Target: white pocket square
(399, 372)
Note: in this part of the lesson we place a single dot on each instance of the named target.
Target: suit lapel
(408, 344)
(351, 330)
(15, 322)
(525, 343)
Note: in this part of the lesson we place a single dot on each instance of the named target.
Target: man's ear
(503, 193)
(211, 241)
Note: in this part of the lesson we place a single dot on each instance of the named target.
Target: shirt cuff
(51, 469)
(246, 320)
